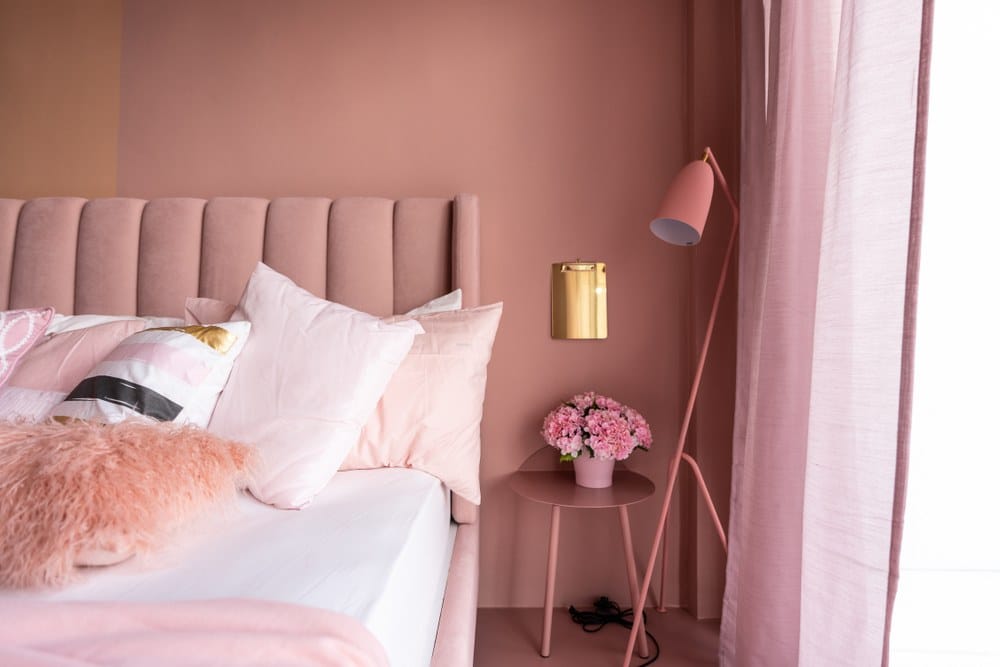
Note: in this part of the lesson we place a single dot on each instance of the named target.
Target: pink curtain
(830, 119)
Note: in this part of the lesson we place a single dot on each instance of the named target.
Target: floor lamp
(680, 221)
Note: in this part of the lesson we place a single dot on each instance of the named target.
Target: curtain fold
(829, 126)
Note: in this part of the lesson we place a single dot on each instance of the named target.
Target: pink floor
(508, 637)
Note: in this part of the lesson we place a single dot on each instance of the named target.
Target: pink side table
(557, 488)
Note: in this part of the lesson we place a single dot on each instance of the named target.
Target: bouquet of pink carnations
(598, 425)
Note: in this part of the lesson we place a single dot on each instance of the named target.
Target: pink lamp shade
(684, 210)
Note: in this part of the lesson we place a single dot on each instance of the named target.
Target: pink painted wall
(714, 115)
(566, 117)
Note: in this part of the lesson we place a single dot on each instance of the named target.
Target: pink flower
(600, 424)
(609, 435)
(607, 403)
(583, 401)
(639, 426)
(562, 429)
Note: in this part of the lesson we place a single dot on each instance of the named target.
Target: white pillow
(203, 310)
(63, 323)
(448, 302)
(169, 374)
(305, 385)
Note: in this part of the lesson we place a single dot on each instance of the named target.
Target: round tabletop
(558, 487)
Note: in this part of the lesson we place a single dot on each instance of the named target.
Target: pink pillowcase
(58, 363)
(430, 413)
(307, 381)
(202, 310)
(19, 330)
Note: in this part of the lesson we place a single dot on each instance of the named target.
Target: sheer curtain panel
(827, 265)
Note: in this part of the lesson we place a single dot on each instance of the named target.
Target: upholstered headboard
(131, 256)
(137, 257)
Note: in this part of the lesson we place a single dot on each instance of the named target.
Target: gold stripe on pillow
(215, 337)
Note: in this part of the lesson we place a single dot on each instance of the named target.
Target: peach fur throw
(83, 487)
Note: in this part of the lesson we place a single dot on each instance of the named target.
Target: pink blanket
(214, 632)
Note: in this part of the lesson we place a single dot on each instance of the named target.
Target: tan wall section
(59, 85)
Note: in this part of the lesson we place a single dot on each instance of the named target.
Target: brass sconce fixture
(579, 300)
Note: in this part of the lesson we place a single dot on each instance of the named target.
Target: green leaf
(566, 457)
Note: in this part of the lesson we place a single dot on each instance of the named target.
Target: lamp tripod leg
(661, 605)
(703, 488)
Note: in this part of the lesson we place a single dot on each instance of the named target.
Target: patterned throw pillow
(19, 329)
(168, 374)
(56, 364)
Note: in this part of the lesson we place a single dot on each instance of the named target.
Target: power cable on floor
(607, 611)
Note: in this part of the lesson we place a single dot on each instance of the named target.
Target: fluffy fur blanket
(91, 494)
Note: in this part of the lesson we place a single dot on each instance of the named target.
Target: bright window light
(948, 607)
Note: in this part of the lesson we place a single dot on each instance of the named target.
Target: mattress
(375, 544)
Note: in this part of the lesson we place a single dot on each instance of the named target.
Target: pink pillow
(161, 374)
(66, 323)
(202, 310)
(58, 363)
(429, 416)
(19, 329)
(306, 383)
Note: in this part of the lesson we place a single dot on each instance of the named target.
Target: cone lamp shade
(684, 210)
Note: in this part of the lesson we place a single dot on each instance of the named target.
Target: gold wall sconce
(579, 300)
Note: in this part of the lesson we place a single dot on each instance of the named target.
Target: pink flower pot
(593, 473)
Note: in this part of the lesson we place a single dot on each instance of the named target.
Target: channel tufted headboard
(131, 256)
(136, 257)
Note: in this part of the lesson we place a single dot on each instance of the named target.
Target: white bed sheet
(375, 544)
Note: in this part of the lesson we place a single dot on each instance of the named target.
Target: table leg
(633, 580)
(550, 582)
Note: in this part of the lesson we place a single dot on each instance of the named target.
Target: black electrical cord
(607, 611)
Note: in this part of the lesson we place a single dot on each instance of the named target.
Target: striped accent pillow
(169, 374)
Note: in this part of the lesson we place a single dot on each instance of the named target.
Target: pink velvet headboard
(132, 256)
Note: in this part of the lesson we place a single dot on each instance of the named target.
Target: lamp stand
(679, 454)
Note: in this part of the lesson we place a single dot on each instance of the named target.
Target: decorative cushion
(448, 302)
(19, 330)
(93, 494)
(66, 323)
(430, 413)
(58, 363)
(168, 374)
(203, 310)
(309, 379)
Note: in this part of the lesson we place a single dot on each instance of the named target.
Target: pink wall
(565, 117)
(714, 113)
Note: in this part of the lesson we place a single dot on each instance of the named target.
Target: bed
(135, 257)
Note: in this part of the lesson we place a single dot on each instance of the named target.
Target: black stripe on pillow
(136, 397)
